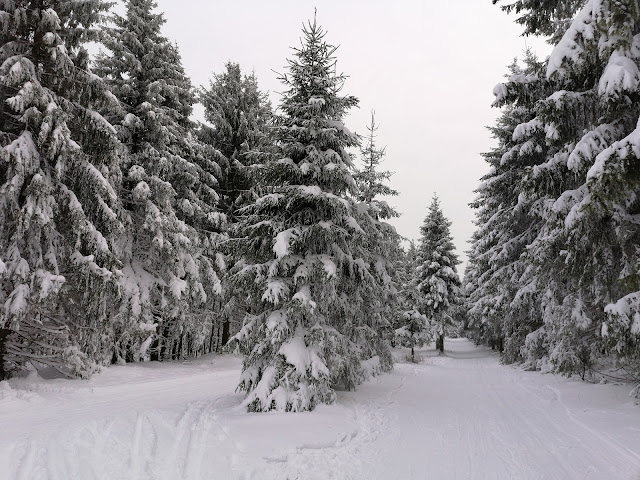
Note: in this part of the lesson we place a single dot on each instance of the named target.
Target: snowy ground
(461, 416)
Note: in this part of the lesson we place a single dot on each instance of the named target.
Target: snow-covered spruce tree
(59, 173)
(169, 274)
(502, 301)
(412, 328)
(238, 118)
(306, 266)
(550, 18)
(436, 279)
(383, 243)
(586, 255)
(370, 180)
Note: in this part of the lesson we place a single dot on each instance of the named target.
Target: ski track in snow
(458, 416)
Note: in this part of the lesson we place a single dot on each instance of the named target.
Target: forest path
(465, 416)
(458, 416)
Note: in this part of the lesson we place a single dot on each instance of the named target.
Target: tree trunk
(440, 343)
(413, 358)
(4, 334)
(225, 333)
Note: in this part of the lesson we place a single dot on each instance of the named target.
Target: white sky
(427, 68)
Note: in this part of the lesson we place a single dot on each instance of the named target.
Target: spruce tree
(370, 180)
(585, 253)
(436, 279)
(60, 215)
(238, 117)
(503, 301)
(170, 272)
(412, 328)
(383, 243)
(305, 266)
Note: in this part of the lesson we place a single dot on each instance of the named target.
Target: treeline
(129, 232)
(553, 279)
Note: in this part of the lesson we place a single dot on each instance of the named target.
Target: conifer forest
(248, 258)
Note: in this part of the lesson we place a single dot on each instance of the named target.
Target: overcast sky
(427, 68)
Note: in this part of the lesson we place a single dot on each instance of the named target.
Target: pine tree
(404, 264)
(306, 267)
(383, 242)
(370, 180)
(503, 302)
(585, 254)
(550, 18)
(436, 279)
(238, 116)
(412, 327)
(59, 210)
(238, 119)
(170, 272)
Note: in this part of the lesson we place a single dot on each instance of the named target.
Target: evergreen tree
(412, 329)
(544, 17)
(410, 326)
(383, 242)
(169, 274)
(59, 210)
(370, 180)
(239, 116)
(436, 279)
(585, 254)
(503, 302)
(306, 266)
(404, 266)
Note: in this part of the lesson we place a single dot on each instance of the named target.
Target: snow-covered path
(461, 416)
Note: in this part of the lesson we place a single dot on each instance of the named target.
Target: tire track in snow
(545, 435)
(517, 439)
(632, 458)
(27, 462)
(135, 459)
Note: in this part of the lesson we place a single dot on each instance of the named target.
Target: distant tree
(383, 241)
(370, 180)
(307, 267)
(436, 279)
(170, 272)
(414, 333)
(60, 216)
(238, 116)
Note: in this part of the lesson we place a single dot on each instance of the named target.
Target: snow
(303, 357)
(458, 416)
(570, 46)
(304, 297)
(18, 300)
(276, 290)
(526, 130)
(329, 266)
(621, 75)
(283, 240)
(500, 92)
(620, 149)
(313, 190)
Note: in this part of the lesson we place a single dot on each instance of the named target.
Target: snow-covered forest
(260, 238)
